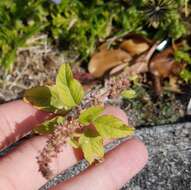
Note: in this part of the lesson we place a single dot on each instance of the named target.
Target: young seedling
(78, 119)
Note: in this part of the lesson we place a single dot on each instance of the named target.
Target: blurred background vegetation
(80, 25)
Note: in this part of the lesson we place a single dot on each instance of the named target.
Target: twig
(20, 75)
(10, 83)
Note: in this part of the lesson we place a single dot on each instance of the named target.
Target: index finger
(16, 120)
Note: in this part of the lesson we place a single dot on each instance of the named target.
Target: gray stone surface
(169, 166)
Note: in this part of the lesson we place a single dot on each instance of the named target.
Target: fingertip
(116, 111)
(133, 156)
(137, 145)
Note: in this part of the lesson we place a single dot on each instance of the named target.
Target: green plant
(165, 17)
(19, 21)
(183, 55)
(81, 25)
(186, 75)
(75, 114)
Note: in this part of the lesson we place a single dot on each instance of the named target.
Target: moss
(146, 110)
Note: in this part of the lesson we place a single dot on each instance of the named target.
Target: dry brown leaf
(141, 64)
(106, 59)
(135, 46)
(118, 68)
(173, 85)
(163, 65)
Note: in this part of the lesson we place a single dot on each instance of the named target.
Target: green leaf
(64, 75)
(55, 100)
(92, 146)
(183, 56)
(109, 126)
(70, 90)
(49, 126)
(39, 97)
(77, 91)
(129, 94)
(45, 98)
(90, 114)
(74, 142)
(185, 74)
(66, 96)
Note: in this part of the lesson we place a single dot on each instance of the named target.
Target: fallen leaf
(106, 59)
(163, 65)
(134, 46)
(118, 69)
(141, 63)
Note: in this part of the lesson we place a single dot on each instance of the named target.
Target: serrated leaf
(110, 127)
(39, 97)
(55, 100)
(92, 146)
(74, 143)
(129, 94)
(90, 114)
(49, 126)
(45, 98)
(70, 90)
(77, 91)
(61, 97)
(64, 75)
(66, 96)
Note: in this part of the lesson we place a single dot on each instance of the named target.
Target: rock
(189, 108)
(169, 165)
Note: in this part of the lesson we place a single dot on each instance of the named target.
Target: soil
(35, 65)
(145, 110)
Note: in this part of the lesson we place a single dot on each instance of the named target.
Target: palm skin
(19, 168)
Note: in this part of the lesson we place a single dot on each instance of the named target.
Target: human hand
(19, 168)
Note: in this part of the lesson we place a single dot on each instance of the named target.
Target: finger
(116, 111)
(120, 166)
(19, 169)
(17, 119)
